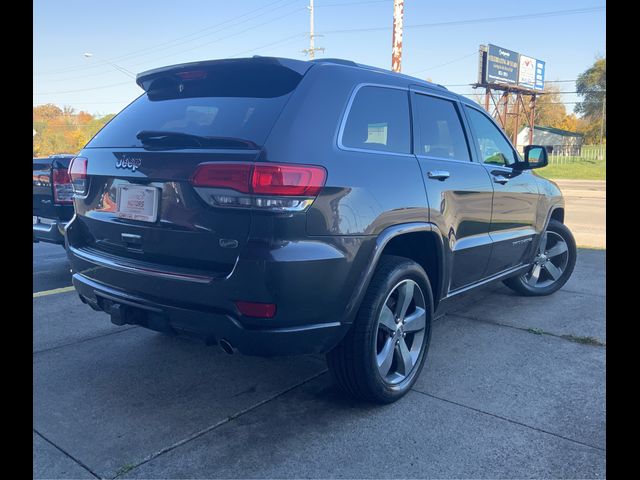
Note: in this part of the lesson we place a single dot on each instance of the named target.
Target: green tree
(591, 85)
(550, 111)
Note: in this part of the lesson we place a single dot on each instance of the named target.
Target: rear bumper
(51, 233)
(212, 327)
(311, 282)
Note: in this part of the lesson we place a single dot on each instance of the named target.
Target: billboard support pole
(516, 120)
(532, 118)
(506, 112)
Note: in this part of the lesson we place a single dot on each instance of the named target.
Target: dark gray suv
(278, 207)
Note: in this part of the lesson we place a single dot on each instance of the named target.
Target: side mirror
(535, 156)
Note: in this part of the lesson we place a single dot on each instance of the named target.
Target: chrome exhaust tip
(227, 347)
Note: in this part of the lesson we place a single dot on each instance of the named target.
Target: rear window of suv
(234, 107)
(378, 120)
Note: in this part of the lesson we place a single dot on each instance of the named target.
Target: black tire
(352, 363)
(520, 285)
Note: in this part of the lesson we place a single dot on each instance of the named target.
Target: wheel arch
(557, 213)
(402, 240)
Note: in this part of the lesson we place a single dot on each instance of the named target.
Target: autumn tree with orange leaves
(63, 130)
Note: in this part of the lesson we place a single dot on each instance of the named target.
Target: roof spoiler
(145, 79)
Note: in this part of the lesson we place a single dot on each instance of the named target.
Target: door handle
(501, 179)
(438, 174)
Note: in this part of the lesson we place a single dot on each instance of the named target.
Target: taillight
(255, 309)
(236, 176)
(78, 174)
(62, 189)
(280, 187)
(288, 180)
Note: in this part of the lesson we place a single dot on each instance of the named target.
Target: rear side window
(228, 106)
(440, 127)
(379, 120)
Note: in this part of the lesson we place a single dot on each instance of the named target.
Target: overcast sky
(440, 39)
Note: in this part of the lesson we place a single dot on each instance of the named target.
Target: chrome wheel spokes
(550, 261)
(401, 328)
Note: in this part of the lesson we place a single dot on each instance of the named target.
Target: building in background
(557, 141)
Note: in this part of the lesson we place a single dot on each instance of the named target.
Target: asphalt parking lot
(513, 387)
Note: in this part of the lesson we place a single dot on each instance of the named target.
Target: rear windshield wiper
(180, 139)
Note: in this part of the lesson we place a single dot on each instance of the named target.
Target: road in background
(585, 210)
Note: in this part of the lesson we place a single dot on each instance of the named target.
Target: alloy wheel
(550, 261)
(400, 334)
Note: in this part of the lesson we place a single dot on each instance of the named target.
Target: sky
(440, 39)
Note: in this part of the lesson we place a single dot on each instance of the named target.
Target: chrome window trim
(515, 150)
(466, 132)
(432, 157)
(345, 116)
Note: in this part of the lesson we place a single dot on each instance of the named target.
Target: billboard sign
(539, 85)
(499, 65)
(502, 65)
(531, 73)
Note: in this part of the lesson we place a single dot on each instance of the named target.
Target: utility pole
(396, 40)
(311, 51)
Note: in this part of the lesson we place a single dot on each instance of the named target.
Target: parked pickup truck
(52, 198)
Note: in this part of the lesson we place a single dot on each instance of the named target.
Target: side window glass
(441, 132)
(494, 148)
(379, 120)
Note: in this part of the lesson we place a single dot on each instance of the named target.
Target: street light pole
(117, 67)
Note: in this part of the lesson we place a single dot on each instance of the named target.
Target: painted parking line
(44, 293)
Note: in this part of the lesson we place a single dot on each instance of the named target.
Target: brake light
(260, 185)
(236, 176)
(78, 175)
(62, 188)
(192, 75)
(288, 180)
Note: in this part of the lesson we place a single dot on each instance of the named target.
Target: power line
(470, 84)
(296, 37)
(94, 103)
(444, 64)
(85, 89)
(436, 24)
(366, 2)
(235, 23)
(477, 20)
(220, 38)
(136, 52)
(480, 92)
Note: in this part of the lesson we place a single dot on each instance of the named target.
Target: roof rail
(339, 61)
(350, 63)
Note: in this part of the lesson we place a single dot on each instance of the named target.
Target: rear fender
(381, 242)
